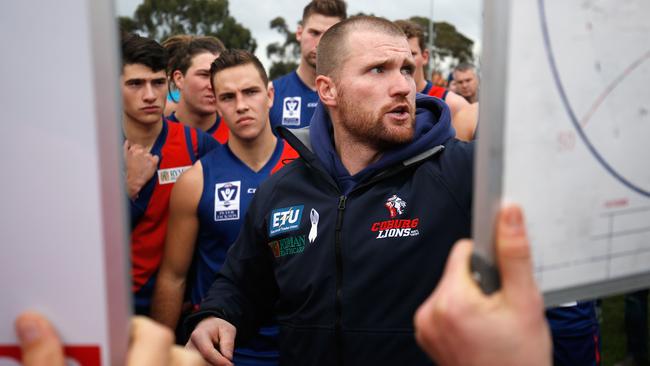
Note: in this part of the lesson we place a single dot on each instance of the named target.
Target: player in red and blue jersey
(464, 117)
(189, 72)
(295, 92)
(156, 153)
(210, 201)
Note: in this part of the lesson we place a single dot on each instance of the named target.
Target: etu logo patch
(285, 219)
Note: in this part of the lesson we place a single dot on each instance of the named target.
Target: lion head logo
(395, 206)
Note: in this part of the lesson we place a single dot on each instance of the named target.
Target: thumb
(227, 341)
(38, 340)
(514, 255)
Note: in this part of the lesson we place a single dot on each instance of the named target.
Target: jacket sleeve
(457, 166)
(245, 291)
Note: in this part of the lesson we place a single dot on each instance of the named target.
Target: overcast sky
(257, 14)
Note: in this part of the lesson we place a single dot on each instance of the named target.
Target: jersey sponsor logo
(226, 201)
(312, 104)
(251, 190)
(291, 111)
(288, 245)
(395, 227)
(285, 219)
(170, 175)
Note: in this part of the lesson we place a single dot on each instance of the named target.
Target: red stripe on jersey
(288, 153)
(148, 237)
(222, 132)
(437, 91)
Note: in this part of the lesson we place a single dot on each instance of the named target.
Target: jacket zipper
(339, 279)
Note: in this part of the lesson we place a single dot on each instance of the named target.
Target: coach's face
(375, 90)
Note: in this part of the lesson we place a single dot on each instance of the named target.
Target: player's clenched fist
(140, 167)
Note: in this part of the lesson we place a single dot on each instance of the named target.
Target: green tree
(285, 55)
(448, 42)
(160, 19)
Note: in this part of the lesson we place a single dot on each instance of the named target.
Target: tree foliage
(448, 42)
(159, 19)
(284, 55)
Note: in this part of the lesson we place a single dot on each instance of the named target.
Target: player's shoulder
(284, 81)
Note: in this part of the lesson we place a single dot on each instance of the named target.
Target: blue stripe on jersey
(190, 146)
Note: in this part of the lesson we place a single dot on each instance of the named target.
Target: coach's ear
(327, 91)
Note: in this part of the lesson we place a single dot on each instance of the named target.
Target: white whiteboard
(565, 131)
(62, 226)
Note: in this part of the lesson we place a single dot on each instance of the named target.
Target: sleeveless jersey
(435, 91)
(294, 102)
(219, 129)
(178, 147)
(228, 187)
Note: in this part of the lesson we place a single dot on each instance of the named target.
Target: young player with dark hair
(156, 153)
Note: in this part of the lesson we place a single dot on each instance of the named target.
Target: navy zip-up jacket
(344, 261)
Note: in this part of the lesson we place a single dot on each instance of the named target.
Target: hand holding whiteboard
(564, 126)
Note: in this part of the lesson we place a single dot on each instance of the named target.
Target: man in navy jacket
(342, 245)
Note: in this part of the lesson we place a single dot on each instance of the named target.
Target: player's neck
(200, 121)
(420, 81)
(307, 74)
(255, 153)
(144, 134)
(355, 155)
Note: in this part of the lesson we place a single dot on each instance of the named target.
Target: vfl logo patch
(291, 111)
(226, 201)
(288, 245)
(168, 176)
(285, 219)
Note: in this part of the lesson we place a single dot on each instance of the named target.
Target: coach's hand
(214, 338)
(459, 325)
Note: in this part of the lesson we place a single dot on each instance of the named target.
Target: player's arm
(455, 103)
(465, 121)
(179, 247)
